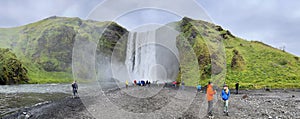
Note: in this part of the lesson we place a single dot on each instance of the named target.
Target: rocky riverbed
(153, 102)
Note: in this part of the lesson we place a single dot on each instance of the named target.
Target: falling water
(141, 54)
(144, 55)
(152, 55)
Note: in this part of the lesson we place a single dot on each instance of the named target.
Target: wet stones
(26, 115)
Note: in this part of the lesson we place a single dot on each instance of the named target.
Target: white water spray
(140, 55)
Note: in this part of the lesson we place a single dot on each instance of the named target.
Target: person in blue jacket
(198, 87)
(225, 96)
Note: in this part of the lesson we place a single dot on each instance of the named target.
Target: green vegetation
(45, 47)
(45, 50)
(265, 66)
(11, 69)
(254, 64)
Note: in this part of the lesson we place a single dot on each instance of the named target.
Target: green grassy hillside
(252, 63)
(264, 66)
(45, 50)
(45, 47)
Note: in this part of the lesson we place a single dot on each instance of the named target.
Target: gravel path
(167, 103)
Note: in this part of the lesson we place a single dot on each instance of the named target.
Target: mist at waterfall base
(149, 55)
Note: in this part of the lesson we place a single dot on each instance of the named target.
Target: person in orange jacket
(210, 96)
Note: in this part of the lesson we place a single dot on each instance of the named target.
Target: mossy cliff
(12, 70)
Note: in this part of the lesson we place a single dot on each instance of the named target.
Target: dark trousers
(209, 108)
(74, 92)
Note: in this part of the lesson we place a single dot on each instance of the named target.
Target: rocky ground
(152, 102)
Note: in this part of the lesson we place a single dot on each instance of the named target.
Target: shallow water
(36, 88)
(57, 88)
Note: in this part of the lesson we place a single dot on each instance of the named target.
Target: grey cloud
(275, 22)
(142, 17)
(109, 10)
(27, 11)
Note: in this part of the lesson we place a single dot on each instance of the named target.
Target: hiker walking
(75, 88)
(210, 96)
(237, 88)
(225, 96)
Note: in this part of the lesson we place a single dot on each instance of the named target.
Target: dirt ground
(162, 103)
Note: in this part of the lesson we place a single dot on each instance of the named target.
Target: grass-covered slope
(45, 47)
(264, 66)
(253, 64)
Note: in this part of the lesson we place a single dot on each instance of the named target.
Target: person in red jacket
(210, 96)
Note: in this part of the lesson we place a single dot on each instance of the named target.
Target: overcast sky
(275, 22)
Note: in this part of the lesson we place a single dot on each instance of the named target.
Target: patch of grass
(42, 77)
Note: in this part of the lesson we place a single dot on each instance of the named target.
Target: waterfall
(149, 55)
(140, 54)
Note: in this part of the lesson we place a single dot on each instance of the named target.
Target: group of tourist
(225, 94)
(210, 92)
(141, 83)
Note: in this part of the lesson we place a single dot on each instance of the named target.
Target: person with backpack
(75, 88)
(225, 97)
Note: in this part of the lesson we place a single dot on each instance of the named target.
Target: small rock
(293, 96)
(269, 101)
(245, 96)
(270, 117)
(27, 116)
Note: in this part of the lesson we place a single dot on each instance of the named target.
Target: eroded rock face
(56, 44)
(50, 45)
(237, 61)
(11, 69)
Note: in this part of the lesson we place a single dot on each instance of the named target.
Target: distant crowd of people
(210, 92)
(141, 83)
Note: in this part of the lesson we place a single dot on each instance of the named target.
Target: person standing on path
(198, 87)
(75, 88)
(134, 82)
(225, 96)
(210, 96)
(126, 83)
(182, 85)
(237, 88)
